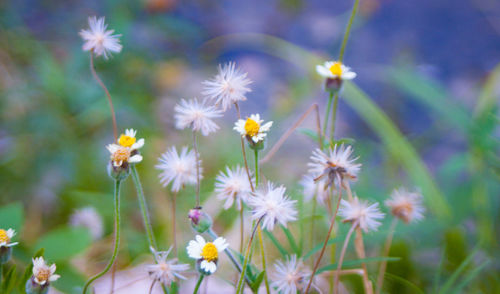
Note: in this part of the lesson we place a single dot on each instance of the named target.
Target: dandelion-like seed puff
(100, 40)
(366, 215)
(178, 169)
(166, 271)
(290, 276)
(229, 86)
(196, 116)
(233, 186)
(406, 205)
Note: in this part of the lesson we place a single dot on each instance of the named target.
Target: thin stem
(342, 254)
(348, 30)
(99, 81)
(256, 153)
(387, 247)
(174, 232)
(143, 206)
(152, 286)
(313, 222)
(195, 147)
(287, 134)
(117, 238)
(327, 115)
(332, 222)
(263, 254)
(242, 227)
(1, 273)
(243, 149)
(247, 257)
(334, 115)
(198, 284)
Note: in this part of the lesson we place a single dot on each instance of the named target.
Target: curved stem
(247, 257)
(332, 222)
(198, 284)
(243, 149)
(342, 254)
(117, 238)
(195, 147)
(348, 30)
(327, 115)
(387, 247)
(99, 81)
(143, 206)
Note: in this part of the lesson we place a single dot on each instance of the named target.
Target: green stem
(1, 273)
(247, 257)
(348, 30)
(198, 283)
(117, 238)
(327, 115)
(334, 116)
(143, 206)
(256, 152)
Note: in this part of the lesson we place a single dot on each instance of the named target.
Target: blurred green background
(423, 112)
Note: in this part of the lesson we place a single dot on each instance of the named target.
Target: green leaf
(291, 240)
(9, 280)
(318, 248)
(256, 284)
(463, 266)
(64, 243)
(276, 243)
(473, 274)
(357, 262)
(405, 282)
(12, 216)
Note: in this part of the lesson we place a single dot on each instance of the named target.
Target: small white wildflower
(89, 218)
(180, 169)
(361, 212)
(122, 156)
(273, 206)
(406, 205)
(128, 140)
(253, 128)
(338, 163)
(6, 238)
(166, 271)
(42, 273)
(197, 116)
(312, 188)
(100, 40)
(206, 253)
(290, 276)
(335, 69)
(229, 86)
(233, 186)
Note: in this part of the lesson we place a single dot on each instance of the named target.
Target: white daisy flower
(228, 87)
(290, 276)
(361, 212)
(338, 163)
(253, 128)
(197, 116)
(122, 156)
(335, 69)
(6, 238)
(406, 205)
(273, 206)
(42, 273)
(166, 271)
(100, 40)
(89, 218)
(233, 186)
(128, 140)
(180, 169)
(312, 188)
(206, 253)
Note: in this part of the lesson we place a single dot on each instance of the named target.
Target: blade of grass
(357, 262)
(277, 244)
(291, 240)
(405, 282)
(318, 248)
(470, 277)
(461, 268)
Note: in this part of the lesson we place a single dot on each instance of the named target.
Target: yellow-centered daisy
(6, 236)
(335, 69)
(206, 253)
(253, 128)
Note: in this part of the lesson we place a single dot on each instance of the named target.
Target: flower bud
(200, 221)
(255, 146)
(33, 287)
(118, 173)
(5, 254)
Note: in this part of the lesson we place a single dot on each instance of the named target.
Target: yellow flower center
(251, 127)
(43, 274)
(209, 252)
(4, 237)
(126, 141)
(336, 69)
(121, 155)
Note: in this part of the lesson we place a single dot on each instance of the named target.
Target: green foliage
(12, 216)
(64, 243)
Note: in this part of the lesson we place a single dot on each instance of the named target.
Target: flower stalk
(198, 284)
(143, 206)
(117, 238)
(387, 247)
(239, 288)
(195, 148)
(341, 258)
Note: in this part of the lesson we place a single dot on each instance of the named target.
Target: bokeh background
(427, 118)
